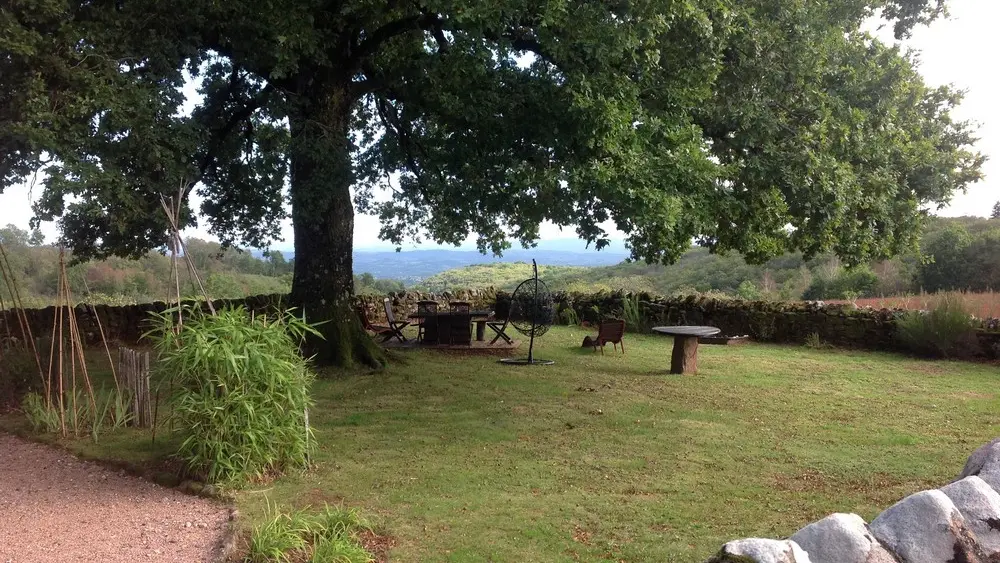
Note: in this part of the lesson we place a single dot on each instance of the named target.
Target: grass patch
(607, 458)
(326, 536)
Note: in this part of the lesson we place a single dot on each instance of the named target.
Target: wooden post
(134, 367)
(685, 356)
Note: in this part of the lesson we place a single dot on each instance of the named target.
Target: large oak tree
(760, 126)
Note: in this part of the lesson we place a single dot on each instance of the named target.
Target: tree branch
(221, 133)
(392, 29)
(390, 120)
(522, 42)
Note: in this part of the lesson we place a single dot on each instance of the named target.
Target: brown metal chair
(395, 326)
(610, 331)
(380, 330)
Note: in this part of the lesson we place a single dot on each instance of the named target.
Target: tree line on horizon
(955, 254)
(961, 253)
(227, 273)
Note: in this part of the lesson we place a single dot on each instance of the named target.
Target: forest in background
(960, 253)
(226, 273)
(956, 254)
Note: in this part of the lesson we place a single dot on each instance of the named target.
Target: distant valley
(413, 266)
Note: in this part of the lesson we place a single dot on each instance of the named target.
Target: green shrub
(632, 315)
(339, 550)
(857, 282)
(814, 341)
(947, 330)
(241, 391)
(277, 538)
(328, 536)
(568, 316)
(748, 291)
(334, 521)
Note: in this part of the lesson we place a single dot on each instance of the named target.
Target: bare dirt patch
(55, 507)
(809, 480)
(378, 545)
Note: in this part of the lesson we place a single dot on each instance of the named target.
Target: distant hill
(957, 253)
(413, 266)
(416, 265)
(696, 271)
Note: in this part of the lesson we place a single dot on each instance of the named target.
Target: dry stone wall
(405, 302)
(958, 523)
(127, 324)
(841, 325)
(766, 321)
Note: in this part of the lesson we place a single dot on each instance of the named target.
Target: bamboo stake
(195, 275)
(145, 386)
(22, 317)
(6, 321)
(52, 353)
(174, 248)
(10, 289)
(173, 213)
(147, 375)
(64, 284)
(156, 412)
(72, 370)
(137, 383)
(104, 339)
(62, 390)
(75, 337)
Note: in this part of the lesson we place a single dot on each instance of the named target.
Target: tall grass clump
(327, 536)
(567, 316)
(277, 537)
(110, 410)
(42, 417)
(947, 330)
(240, 391)
(632, 314)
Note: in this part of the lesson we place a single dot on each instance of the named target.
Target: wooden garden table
(685, 356)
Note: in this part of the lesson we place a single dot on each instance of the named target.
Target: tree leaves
(761, 126)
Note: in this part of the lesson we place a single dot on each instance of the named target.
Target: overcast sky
(962, 51)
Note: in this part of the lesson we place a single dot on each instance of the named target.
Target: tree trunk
(323, 222)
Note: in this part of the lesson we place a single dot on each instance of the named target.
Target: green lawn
(608, 458)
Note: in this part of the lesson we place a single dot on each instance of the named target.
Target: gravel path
(56, 508)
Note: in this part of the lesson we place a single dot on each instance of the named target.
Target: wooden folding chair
(379, 330)
(500, 327)
(395, 326)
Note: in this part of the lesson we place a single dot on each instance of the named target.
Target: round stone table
(685, 356)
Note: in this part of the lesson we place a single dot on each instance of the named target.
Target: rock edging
(227, 545)
(957, 523)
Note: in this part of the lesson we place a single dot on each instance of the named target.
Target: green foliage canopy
(496, 116)
(761, 126)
